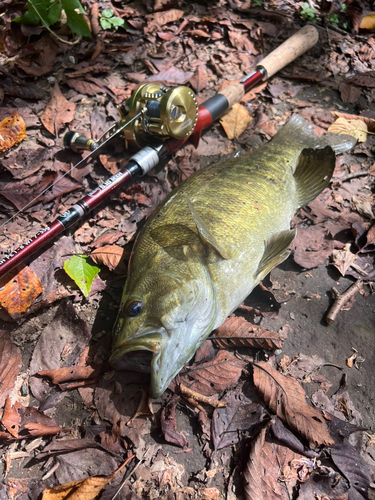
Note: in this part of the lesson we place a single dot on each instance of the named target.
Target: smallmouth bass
(210, 242)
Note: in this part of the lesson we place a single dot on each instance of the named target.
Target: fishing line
(120, 129)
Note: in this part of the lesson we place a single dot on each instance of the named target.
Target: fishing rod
(156, 121)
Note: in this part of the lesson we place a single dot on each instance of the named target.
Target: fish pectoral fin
(314, 171)
(275, 252)
(205, 236)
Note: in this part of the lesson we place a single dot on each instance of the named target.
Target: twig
(354, 176)
(341, 300)
(51, 471)
(130, 473)
(199, 397)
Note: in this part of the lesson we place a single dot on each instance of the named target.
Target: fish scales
(236, 214)
(209, 243)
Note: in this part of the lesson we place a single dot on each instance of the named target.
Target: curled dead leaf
(350, 360)
(355, 128)
(343, 259)
(12, 131)
(69, 373)
(11, 419)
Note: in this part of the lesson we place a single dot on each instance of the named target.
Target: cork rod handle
(292, 48)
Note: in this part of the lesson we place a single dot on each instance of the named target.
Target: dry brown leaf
(368, 22)
(285, 397)
(10, 365)
(349, 93)
(57, 112)
(252, 94)
(199, 80)
(210, 494)
(20, 292)
(241, 42)
(85, 489)
(213, 377)
(85, 87)
(363, 205)
(109, 255)
(12, 131)
(252, 474)
(36, 429)
(11, 419)
(236, 331)
(264, 474)
(343, 259)
(168, 16)
(355, 128)
(236, 121)
(69, 373)
(370, 122)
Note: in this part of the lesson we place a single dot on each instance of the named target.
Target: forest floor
(59, 427)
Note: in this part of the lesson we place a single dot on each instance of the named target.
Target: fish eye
(134, 308)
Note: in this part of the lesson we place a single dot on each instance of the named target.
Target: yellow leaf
(368, 22)
(85, 489)
(20, 292)
(12, 131)
(236, 121)
(355, 128)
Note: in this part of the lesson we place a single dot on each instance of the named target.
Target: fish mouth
(137, 352)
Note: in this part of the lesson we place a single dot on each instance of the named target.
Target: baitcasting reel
(152, 111)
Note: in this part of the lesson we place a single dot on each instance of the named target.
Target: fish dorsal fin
(275, 252)
(313, 172)
(299, 131)
(205, 236)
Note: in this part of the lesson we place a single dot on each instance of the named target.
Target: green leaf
(116, 21)
(73, 5)
(82, 272)
(54, 13)
(77, 24)
(27, 18)
(107, 13)
(105, 24)
(39, 9)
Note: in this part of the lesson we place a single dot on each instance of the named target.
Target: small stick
(341, 300)
(354, 176)
(200, 398)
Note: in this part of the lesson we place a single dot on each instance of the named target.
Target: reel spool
(165, 114)
(152, 111)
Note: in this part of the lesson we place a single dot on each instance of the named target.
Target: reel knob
(78, 142)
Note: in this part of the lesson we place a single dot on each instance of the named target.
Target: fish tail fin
(313, 173)
(299, 130)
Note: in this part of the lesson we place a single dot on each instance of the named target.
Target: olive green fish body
(210, 242)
